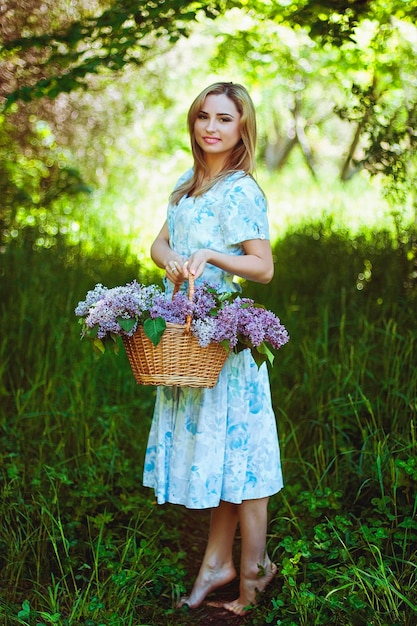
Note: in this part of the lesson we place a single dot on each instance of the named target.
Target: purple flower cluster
(225, 318)
(103, 307)
(173, 310)
(261, 325)
(241, 321)
(204, 301)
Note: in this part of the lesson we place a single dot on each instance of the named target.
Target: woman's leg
(256, 568)
(217, 567)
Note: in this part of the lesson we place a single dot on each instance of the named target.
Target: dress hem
(161, 500)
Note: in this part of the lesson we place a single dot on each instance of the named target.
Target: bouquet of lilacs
(227, 318)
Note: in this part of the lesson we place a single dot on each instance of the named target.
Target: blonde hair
(242, 157)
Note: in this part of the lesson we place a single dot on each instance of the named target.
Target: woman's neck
(215, 165)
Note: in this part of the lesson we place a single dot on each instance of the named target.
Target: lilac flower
(257, 325)
(102, 307)
(216, 317)
(92, 297)
(204, 331)
(227, 321)
(173, 309)
(102, 315)
(277, 335)
(204, 301)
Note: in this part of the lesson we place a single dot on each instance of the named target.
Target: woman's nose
(211, 125)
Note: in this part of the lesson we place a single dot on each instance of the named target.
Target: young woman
(218, 448)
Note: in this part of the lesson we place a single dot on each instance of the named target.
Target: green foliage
(122, 34)
(347, 421)
(81, 542)
(334, 21)
(305, 86)
(35, 185)
(345, 105)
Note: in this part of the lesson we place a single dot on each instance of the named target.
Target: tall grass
(82, 542)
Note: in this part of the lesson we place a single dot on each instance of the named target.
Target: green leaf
(258, 357)
(262, 353)
(154, 329)
(51, 618)
(126, 324)
(99, 346)
(25, 612)
(114, 342)
(226, 344)
(263, 349)
(91, 333)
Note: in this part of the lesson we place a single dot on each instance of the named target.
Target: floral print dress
(207, 445)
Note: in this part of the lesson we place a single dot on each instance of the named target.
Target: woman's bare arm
(166, 258)
(256, 264)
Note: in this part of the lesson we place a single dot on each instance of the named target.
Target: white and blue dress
(207, 445)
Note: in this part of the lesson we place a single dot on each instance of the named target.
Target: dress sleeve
(243, 215)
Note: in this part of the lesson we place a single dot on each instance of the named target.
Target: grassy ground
(83, 543)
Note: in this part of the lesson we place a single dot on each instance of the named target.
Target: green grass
(83, 543)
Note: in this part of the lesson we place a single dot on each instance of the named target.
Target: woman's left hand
(197, 262)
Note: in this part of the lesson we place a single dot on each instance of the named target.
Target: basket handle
(190, 297)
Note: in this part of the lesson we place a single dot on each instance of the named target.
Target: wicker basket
(178, 360)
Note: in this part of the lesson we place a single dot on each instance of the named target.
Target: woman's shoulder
(242, 182)
(238, 175)
(241, 177)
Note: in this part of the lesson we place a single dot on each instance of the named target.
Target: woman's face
(217, 126)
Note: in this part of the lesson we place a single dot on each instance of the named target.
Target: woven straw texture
(178, 359)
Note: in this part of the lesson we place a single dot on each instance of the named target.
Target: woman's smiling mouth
(211, 140)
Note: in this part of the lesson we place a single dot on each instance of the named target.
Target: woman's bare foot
(250, 586)
(208, 580)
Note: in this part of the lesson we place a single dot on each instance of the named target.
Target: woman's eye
(225, 119)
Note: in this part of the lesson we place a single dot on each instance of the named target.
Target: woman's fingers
(177, 271)
(197, 263)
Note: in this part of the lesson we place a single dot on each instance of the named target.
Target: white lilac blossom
(235, 322)
(93, 296)
(204, 330)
